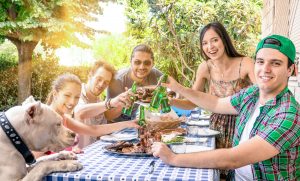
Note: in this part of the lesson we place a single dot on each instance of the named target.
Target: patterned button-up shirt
(279, 124)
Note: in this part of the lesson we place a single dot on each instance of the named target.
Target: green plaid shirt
(279, 124)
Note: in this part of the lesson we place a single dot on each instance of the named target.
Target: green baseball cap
(280, 43)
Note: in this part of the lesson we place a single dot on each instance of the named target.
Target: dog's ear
(32, 110)
(29, 99)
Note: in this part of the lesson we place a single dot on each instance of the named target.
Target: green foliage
(44, 72)
(116, 49)
(172, 28)
(8, 55)
(8, 88)
(53, 22)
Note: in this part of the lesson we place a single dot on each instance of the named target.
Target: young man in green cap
(267, 133)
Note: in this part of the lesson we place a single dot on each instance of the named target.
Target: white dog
(41, 129)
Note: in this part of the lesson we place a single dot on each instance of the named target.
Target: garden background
(31, 32)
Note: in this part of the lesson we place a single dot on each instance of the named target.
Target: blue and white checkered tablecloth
(101, 165)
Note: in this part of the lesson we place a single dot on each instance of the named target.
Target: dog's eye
(58, 124)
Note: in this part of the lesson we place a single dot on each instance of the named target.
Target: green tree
(8, 55)
(116, 49)
(172, 29)
(53, 23)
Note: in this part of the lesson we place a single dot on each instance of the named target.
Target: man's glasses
(146, 63)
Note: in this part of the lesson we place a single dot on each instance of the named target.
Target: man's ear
(32, 110)
(291, 70)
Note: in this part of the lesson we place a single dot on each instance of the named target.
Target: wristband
(107, 104)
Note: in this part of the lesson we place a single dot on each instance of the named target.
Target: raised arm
(96, 130)
(203, 100)
(249, 66)
(94, 109)
(115, 88)
(198, 85)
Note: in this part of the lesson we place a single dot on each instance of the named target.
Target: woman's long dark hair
(221, 31)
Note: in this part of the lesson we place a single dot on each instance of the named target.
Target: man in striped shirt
(267, 133)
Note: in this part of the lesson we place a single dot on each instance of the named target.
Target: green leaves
(53, 22)
(172, 29)
(115, 49)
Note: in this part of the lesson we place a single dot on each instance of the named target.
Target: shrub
(44, 72)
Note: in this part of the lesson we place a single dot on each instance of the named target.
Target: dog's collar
(16, 140)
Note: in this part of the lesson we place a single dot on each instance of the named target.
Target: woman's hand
(163, 152)
(172, 84)
(133, 124)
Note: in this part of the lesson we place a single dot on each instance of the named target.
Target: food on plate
(170, 136)
(147, 137)
(127, 147)
(145, 94)
(119, 145)
(156, 125)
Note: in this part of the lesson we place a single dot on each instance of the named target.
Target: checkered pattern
(101, 165)
(278, 124)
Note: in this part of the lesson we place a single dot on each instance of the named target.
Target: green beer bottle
(142, 119)
(165, 106)
(159, 93)
(128, 111)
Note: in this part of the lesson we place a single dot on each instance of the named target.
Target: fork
(151, 165)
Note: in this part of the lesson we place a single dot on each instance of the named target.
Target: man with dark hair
(141, 71)
(266, 139)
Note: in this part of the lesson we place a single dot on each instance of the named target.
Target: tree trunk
(25, 51)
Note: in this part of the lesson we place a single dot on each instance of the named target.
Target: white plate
(184, 148)
(118, 137)
(204, 116)
(196, 148)
(207, 132)
(195, 139)
(198, 122)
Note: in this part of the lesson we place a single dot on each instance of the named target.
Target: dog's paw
(70, 165)
(66, 155)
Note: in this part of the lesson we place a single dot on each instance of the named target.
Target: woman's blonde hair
(59, 84)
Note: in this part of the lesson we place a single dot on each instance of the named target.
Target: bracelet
(107, 104)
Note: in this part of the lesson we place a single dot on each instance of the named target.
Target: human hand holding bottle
(128, 110)
(122, 100)
(172, 84)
